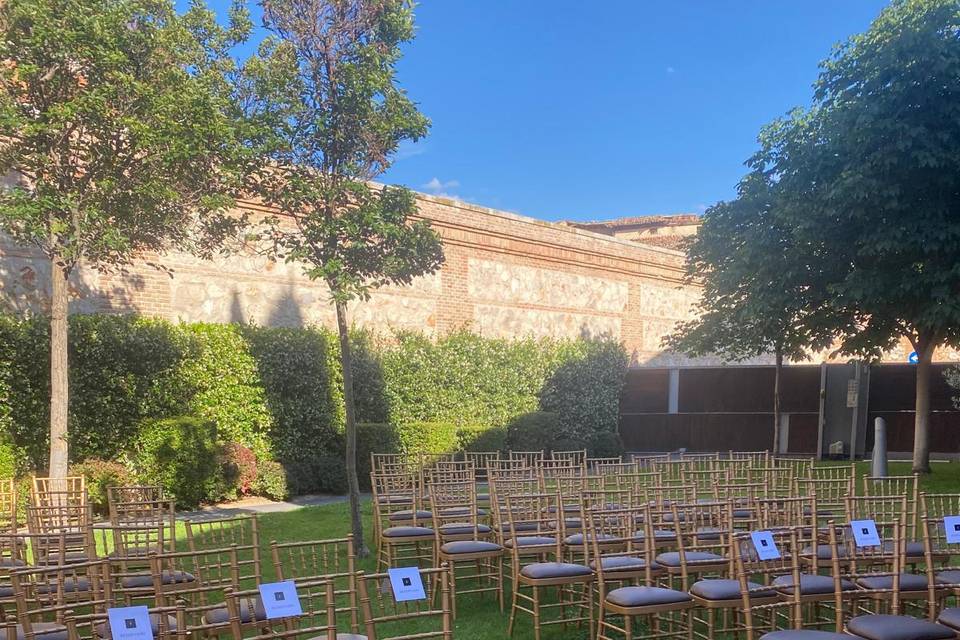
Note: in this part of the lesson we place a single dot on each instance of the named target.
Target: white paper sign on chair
(865, 533)
(280, 599)
(952, 526)
(130, 623)
(407, 584)
(765, 545)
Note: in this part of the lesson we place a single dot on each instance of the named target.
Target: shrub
(427, 437)
(10, 459)
(183, 456)
(241, 464)
(100, 475)
(373, 437)
(271, 481)
(479, 438)
(533, 431)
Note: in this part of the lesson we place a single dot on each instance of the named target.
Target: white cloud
(442, 188)
(408, 149)
(670, 70)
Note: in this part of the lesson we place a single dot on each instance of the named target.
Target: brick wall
(505, 275)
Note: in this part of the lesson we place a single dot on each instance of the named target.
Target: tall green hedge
(279, 391)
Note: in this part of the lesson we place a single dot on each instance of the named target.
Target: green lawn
(944, 479)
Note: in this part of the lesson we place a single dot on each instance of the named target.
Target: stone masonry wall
(504, 276)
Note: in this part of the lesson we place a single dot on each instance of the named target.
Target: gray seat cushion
(950, 576)
(530, 541)
(810, 585)
(709, 533)
(950, 617)
(407, 514)
(659, 535)
(805, 634)
(344, 636)
(887, 627)
(70, 585)
(577, 538)
(44, 631)
(103, 629)
(727, 589)
(621, 563)
(549, 570)
(463, 529)
(672, 558)
(221, 615)
(506, 527)
(470, 546)
(144, 580)
(408, 532)
(8, 562)
(460, 511)
(742, 513)
(914, 549)
(646, 596)
(908, 582)
(823, 552)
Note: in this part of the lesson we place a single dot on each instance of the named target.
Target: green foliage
(427, 437)
(271, 481)
(373, 438)
(227, 386)
(480, 438)
(534, 431)
(9, 461)
(184, 456)
(241, 464)
(101, 474)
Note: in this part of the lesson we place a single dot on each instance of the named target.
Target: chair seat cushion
(672, 558)
(460, 511)
(621, 563)
(44, 631)
(887, 627)
(344, 636)
(805, 634)
(742, 513)
(914, 549)
(727, 589)
(221, 615)
(709, 533)
(9, 562)
(577, 538)
(810, 585)
(470, 546)
(530, 541)
(950, 576)
(463, 529)
(646, 596)
(70, 585)
(950, 617)
(549, 570)
(103, 629)
(407, 514)
(908, 582)
(145, 580)
(520, 527)
(407, 532)
(658, 535)
(823, 552)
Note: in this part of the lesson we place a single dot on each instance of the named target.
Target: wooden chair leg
(536, 613)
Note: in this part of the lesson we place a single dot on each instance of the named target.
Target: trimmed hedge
(278, 392)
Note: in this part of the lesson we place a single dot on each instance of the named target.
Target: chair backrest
(318, 617)
(333, 560)
(9, 520)
(72, 489)
(243, 532)
(387, 619)
(168, 623)
(49, 593)
(536, 516)
(576, 458)
(528, 458)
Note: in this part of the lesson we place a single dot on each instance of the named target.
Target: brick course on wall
(504, 276)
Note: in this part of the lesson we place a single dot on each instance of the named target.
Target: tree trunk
(777, 371)
(350, 427)
(59, 372)
(921, 425)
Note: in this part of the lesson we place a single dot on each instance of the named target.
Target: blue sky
(565, 109)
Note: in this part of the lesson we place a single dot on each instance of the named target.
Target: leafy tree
(119, 137)
(325, 81)
(756, 296)
(868, 180)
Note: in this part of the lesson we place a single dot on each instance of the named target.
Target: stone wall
(504, 276)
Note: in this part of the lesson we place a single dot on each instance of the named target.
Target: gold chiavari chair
(166, 623)
(527, 458)
(886, 510)
(481, 461)
(379, 462)
(402, 526)
(46, 595)
(242, 532)
(594, 464)
(133, 544)
(780, 480)
(665, 612)
(800, 465)
(544, 542)
(704, 480)
(69, 528)
(387, 619)
(941, 555)
(333, 560)
(833, 472)
(831, 495)
(649, 462)
(908, 486)
(50, 491)
(636, 481)
(702, 533)
(939, 505)
(462, 543)
(9, 517)
(317, 619)
(577, 458)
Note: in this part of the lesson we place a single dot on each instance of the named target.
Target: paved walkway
(260, 505)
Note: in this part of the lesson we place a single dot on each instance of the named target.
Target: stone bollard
(879, 463)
